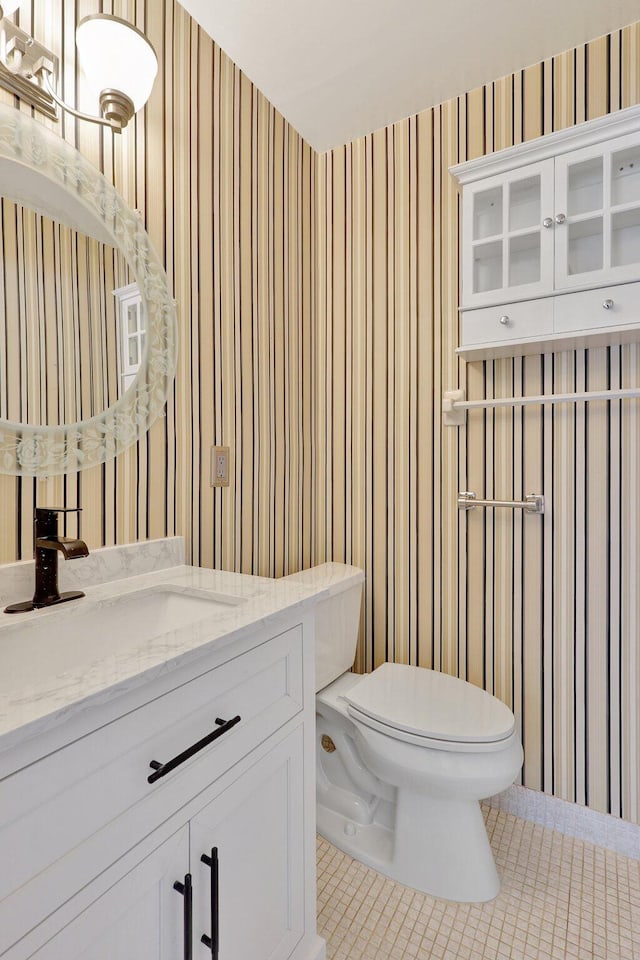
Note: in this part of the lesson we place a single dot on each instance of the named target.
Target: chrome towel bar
(532, 503)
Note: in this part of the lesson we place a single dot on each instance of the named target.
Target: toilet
(404, 755)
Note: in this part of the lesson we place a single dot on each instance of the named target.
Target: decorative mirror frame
(39, 451)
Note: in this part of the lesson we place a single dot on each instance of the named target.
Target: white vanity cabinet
(106, 864)
(247, 896)
(543, 223)
(252, 880)
(140, 917)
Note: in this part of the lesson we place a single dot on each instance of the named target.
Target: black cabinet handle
(213, 942)
(187, 892)
(162, 769)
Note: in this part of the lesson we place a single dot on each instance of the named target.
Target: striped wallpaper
(544, 612)
(225, 187)
(317, 302)
(58, 329)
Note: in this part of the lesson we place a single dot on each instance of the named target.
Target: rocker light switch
(219, 466)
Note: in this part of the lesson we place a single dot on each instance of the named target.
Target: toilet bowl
(404, 755)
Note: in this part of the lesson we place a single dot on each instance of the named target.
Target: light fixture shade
(116, 56)
(9, 6)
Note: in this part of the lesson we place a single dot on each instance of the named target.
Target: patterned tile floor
(560, 897)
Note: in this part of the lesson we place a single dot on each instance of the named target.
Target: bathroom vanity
(157, 772)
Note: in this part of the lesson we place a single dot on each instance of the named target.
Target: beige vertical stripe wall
(543, 612)
(317, 302)
(225, 187)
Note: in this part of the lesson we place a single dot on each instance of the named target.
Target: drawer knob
(505, 321)
(607, 304)
(561, 217)
(547, 222)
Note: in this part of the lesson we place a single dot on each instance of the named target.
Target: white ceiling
(338, 69)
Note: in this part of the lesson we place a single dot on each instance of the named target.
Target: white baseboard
(571, 819)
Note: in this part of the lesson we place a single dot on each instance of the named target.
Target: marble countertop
(47, 674)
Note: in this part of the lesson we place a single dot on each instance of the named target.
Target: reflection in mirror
(62, 433)
(71, 323)
(132, 328)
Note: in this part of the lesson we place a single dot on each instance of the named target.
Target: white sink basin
(70, 638)
(159, 610)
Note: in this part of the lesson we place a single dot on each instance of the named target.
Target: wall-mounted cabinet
(544, 222)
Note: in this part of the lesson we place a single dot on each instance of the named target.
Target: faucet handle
(45, 519)
(42, 513)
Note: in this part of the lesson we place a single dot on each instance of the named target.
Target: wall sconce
(117, 60)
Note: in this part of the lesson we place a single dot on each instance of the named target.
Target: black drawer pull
(162, 769)
(187, 892)
(213, 941)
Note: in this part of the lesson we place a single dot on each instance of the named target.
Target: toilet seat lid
(430, 704)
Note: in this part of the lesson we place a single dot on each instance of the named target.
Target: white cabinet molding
(600, 130)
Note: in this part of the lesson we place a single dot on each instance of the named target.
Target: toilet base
(449, 854)
(439, 846)
(371, 843)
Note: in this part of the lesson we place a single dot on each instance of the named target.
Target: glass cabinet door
(597, 220)
(508, 237)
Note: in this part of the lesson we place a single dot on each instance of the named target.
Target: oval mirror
(88, 331)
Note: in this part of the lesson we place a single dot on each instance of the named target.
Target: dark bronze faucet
(47, 545)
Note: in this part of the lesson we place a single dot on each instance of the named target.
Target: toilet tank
(337, 617)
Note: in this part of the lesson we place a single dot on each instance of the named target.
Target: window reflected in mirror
(131, 325)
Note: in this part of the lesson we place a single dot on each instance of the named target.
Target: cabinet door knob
(560, 218)
(607, 304)
(547, 222)
(505, 321)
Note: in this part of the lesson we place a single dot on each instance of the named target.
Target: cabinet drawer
(516, 321)
(598, 309)
(71, 814)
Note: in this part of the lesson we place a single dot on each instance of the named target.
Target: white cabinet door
(141, 917)
(598, 209)
(507, 237)
(255, 830)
